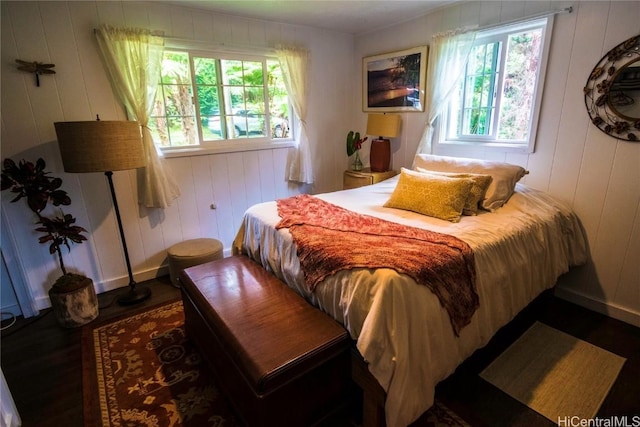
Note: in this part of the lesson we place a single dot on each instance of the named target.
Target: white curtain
(294, 63)
(133, 58)
(448, 56)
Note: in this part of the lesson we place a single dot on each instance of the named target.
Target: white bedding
(401, 329)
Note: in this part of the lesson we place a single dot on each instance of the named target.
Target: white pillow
(504, 175)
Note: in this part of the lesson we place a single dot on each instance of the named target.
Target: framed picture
(394, 81)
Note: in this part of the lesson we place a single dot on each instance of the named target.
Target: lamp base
(380, 155)
(135, 295)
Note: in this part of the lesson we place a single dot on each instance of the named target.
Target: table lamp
(105, 146)
(384, 125)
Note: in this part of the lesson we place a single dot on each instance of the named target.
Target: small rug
(142, 370)
(441, 416)
(555, 374)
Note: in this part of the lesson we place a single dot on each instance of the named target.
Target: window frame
(491, 142)
(221, 52)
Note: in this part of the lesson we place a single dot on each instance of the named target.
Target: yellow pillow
(437, 196)
(477, 192)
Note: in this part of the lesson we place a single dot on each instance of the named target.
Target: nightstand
(355, 179)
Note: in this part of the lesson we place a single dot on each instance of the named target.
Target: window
(498, 99)
(212, 100)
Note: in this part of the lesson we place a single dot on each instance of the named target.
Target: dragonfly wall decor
(35, 67)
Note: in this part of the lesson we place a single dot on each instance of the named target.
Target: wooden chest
(281, 361)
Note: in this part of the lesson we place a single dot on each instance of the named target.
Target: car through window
(208, 99)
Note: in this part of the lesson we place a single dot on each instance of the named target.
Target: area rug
(554, 373)
(441, 416)
(142, 370)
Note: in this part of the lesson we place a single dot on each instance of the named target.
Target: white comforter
(401, 329)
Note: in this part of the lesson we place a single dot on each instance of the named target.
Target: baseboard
(608, 309)
(123, 281)
(117, 283)
(13, 309)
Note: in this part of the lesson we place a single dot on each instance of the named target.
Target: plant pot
(357, 163)
(75, 307)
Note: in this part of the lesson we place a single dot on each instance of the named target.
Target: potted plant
(73, 297)
(354, 143)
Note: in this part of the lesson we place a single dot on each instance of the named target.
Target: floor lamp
(105, 146)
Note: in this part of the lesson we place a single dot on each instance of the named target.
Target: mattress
(400, 327)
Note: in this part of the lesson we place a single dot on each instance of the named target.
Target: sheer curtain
(133, 58)
(448, 57)
(294, 63)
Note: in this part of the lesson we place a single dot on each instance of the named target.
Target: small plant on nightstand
(354, 143)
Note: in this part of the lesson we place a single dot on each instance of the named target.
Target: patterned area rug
(441, 416)
(142, 370)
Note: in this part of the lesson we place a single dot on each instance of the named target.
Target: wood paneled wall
(597, 175)
(62, 33)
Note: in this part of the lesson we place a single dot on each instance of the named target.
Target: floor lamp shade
(383, 125)
(105, 146)
(100, 146)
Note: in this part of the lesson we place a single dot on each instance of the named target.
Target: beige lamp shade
(100, 146)
(383, 125)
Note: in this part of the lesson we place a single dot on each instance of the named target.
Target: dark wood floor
(42, 364)
(482, 404)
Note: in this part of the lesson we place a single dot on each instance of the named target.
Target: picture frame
(395, 81)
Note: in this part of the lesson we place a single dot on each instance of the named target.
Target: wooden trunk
(280, 360)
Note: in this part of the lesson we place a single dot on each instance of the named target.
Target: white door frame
(9, 416)
(18, 275)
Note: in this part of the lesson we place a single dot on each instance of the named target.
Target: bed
(400, 328)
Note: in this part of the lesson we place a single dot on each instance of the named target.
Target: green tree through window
(498, 98)
(208, 98)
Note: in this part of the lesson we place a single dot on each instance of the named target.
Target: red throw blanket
(330, 238)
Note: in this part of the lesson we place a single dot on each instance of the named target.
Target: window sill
(226, 147)
(490, 146)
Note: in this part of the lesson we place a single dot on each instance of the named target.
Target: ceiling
(348, 16)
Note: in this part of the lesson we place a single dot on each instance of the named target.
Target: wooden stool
(192, 252)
